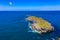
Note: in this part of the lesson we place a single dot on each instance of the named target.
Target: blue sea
(13, 25)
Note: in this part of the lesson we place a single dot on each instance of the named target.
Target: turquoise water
(13, 25)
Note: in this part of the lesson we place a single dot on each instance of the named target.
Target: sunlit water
(13, 25)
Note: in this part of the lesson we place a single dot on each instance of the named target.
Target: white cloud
(38, 8)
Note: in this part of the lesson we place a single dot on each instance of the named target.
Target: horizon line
(30, 8)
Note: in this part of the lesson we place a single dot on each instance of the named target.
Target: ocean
(13, 25)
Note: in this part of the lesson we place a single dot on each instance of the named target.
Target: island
(39, 25)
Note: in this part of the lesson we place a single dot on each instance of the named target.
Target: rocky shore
(39, 24)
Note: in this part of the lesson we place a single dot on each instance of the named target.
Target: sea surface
(13, 25)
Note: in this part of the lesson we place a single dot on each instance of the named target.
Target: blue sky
(29, 5)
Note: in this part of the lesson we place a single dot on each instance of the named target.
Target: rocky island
(39, 25)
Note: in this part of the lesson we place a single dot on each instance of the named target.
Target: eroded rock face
(40, 25)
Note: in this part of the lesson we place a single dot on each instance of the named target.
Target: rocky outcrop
(39, 25)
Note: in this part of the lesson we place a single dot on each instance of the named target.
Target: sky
(30, 5)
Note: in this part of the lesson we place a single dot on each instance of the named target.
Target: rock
(58, 38)
(40, 25)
